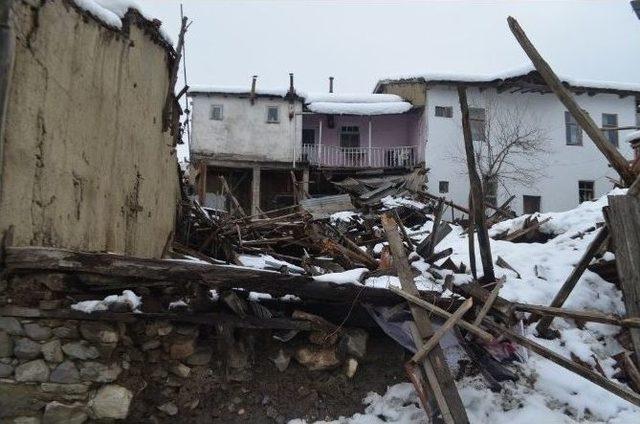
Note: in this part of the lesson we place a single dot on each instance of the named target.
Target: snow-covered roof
(239, 90)
(633, 137)
(356, 103)
(451, 77)
(111, 13)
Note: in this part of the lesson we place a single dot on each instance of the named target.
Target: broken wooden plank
(449, 323)
(476, 190)
(489, 303)
(615, 388)
(475, 330)
(525, 230)
(615, 158)
(572, 280)
(438, 375)
(585, 316)
(623, 218)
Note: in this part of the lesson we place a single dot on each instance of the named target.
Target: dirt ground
(264, 394)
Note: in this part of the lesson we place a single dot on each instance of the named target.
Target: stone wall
(86, 162)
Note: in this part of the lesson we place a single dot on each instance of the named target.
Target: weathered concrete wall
(86, 164)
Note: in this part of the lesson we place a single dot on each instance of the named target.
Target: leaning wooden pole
(617, 161)
(440, 380)
(476, 191)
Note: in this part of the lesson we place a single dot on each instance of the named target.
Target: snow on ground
(545, 392)
(264, 261)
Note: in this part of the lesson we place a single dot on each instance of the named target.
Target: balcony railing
(360, 157)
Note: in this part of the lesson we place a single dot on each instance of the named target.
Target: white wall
(564, 165)
(244, 129)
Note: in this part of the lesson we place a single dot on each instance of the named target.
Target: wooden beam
(623, 217)
(475, 330)
(586, 316)
(435, 366)
(571, 281)
(435, 339)
(615, 158)
(476, 190)
(617, 389)
(489, 303)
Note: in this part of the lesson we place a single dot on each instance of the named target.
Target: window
(610, 120)
(477, 122)
(573, 131)
(308, 136)
(444, 111)
(443, 186)
(216, 112)
(585, 191)
(490, 186)
(350, 136)
(273, 114)
(530, 204)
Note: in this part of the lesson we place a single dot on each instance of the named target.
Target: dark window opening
(273, 114)
(216, 112)
(350, 137)
(308, 136)
(585, 191)
(477, 119)
(530, 204)
(443, 186)
(444, 111)
(573, 131)
(490, 186)
(610, 120)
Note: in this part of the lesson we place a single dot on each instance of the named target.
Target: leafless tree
(511, 145)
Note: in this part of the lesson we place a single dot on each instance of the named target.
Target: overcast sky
(360, 42)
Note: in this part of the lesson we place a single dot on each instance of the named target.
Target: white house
(570, 169)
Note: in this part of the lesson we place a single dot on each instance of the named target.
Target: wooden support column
(370, 152)
(255, 190)
(438, 375)
(305, 182)
(623, 217)
(202, 189)
(476, 191)
(615, 158)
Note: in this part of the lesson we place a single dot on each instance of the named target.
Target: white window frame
(277, 120)
(211, 114)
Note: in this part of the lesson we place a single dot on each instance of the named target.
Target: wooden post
(572, 280)
(617, 161)
(476, 190)
(255, 190)
(623, 217)
(435, 366)
(471, 239)
(202, 190)
(492, 298)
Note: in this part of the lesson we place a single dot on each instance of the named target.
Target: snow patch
(129, 297)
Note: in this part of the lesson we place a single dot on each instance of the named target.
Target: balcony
(360, 157)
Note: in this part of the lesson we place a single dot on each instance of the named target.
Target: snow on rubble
(545, 392)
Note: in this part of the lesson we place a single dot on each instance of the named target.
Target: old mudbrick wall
(86, 164)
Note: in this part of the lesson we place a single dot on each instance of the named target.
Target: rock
(354, 342)
(65, 389)
(323, 338)
(98, 332)
(34, 371)
(111, 401)
(169, 408)
(52, 351)
(282, 360)
(26, 349)
(11, 326)
(150, 344)
(202, 356)
(105, 350)
(66, 332)
(193, 404)
(80, 350)
(187, 330)
(181, 347)
(5, 370)
(59, 413)
(173, 381)
(6, 345)
(26, 420)
(317, 358)
(17, 400)
(158, 328)
(350, 367)
(119, 306)
(65, 373)
(180, 370)
(153, 356)
(37, 332)
(100, 373)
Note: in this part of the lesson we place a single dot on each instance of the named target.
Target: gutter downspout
(7, 54)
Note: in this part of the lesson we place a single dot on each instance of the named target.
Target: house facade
(275, 146)
(558, 169)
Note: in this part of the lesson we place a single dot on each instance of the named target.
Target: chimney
(635, 5)
(291, 89)
(330, 84)
(253, 89)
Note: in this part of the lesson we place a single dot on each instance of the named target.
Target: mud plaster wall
(86, 164)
